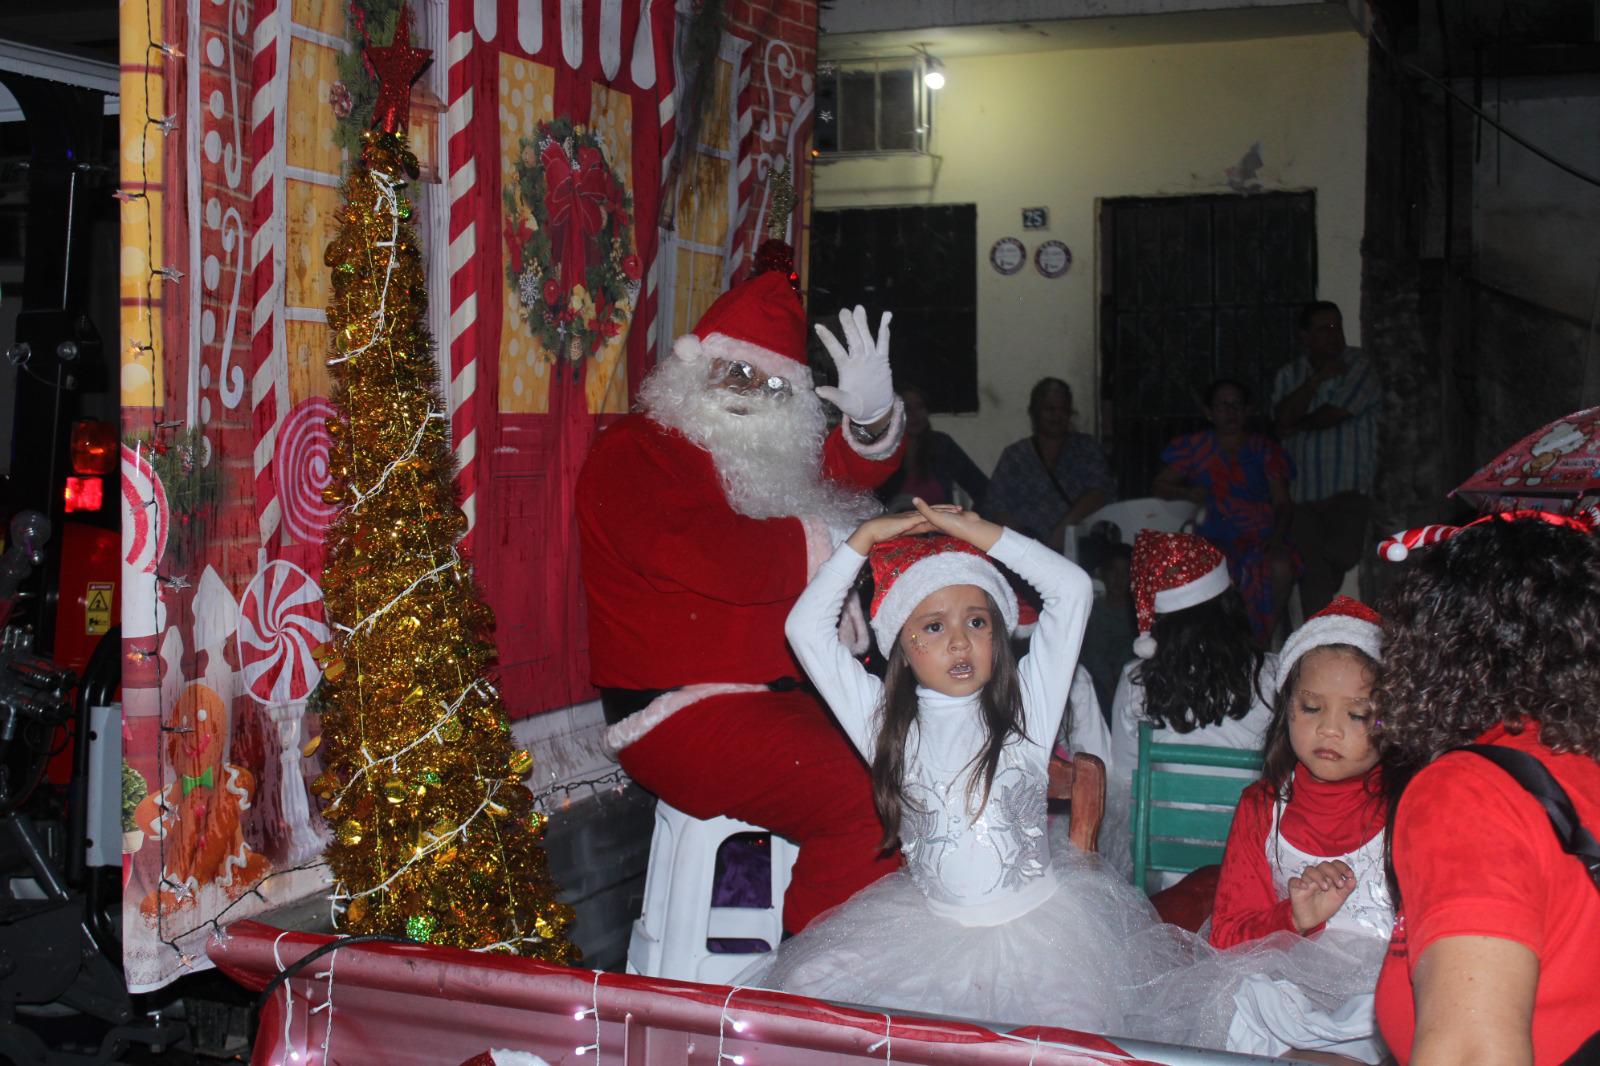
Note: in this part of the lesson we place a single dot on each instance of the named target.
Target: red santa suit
(687, 599)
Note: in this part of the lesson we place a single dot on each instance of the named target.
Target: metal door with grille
(1195, 288)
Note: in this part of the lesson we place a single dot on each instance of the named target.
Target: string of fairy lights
(157, 276)
(548, 800)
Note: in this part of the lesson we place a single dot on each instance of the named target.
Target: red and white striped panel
(269, 387)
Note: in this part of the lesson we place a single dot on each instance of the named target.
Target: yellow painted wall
(1066, 129)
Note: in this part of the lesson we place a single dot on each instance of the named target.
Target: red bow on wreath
(516, 238)
(575, 199)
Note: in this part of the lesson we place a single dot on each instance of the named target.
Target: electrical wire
(1548, 157)
(1411, 68)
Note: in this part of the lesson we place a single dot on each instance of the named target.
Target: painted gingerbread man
(197, 816)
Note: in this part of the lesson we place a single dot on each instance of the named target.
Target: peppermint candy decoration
(281, 621)
(144, 513)
(301, 469)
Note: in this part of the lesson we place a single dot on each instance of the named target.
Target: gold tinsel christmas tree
(435, 837)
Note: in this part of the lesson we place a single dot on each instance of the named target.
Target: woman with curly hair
(1200, 677)
(1493, 639)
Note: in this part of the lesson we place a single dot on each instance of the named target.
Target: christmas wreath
(569, 241)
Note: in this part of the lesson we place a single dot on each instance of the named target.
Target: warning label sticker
(97, 608)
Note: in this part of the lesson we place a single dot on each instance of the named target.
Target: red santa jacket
(683, 589)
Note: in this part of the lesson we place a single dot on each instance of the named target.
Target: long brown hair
(1000, 702)
(1207, 666)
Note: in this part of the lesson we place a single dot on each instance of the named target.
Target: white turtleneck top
(978, 867)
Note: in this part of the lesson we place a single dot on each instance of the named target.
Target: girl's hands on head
(887, 527)
(963, 525)
(1318, 893)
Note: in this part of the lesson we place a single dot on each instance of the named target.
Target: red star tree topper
(397, 66)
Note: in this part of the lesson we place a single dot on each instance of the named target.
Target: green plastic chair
(1181, 839)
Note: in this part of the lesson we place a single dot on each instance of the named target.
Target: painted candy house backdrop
(553, 286)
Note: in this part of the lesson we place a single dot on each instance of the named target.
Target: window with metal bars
(872, 107)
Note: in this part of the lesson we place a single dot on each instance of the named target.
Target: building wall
(1066, 129)
(1525, 212)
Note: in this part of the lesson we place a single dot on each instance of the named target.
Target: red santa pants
(777, 760)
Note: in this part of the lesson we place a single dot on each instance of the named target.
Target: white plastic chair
(1130, 516)
(669, 937)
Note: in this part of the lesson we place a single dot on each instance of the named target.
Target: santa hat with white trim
(1172, 571)
(760, 322)
(1344, 621)
(907, 570)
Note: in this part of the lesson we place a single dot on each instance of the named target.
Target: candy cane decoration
(300, 470)
(467, 261)
(144, 514)
(281, 621)
(269, 382)
(1396, 548)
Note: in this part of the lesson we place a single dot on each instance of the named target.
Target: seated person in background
(1241, 481)
(1200, 677)
(933, 466)
(1055, 477)
(1327, 404)
(1108, 642)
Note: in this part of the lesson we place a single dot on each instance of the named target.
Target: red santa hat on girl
(760, 322)
(1172, 571)
(907, 570)
(1344, 621)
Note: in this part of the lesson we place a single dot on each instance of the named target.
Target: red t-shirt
(1476, 856)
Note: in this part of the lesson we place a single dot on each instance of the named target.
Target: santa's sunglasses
(735, 375)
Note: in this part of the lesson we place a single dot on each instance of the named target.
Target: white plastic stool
(669, 938)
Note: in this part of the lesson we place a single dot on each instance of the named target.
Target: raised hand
(888, 526)
(866, 387)
(1318, 893)
(963, 525)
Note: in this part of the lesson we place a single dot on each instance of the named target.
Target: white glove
(866, 388)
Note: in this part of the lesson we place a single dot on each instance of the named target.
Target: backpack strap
(1531, 774)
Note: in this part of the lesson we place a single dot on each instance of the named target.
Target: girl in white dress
(989, 919)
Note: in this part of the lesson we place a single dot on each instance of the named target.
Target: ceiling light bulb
(934, 78)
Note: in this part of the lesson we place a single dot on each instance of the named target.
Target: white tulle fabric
(1285, 991)
(1075, 960)
(1280, 992)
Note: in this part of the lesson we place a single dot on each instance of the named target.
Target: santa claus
(701, 518)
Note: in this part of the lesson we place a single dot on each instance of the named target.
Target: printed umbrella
(1550, 469)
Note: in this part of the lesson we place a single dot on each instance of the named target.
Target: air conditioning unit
(872, 107)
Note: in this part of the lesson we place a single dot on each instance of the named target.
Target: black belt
(620, 703)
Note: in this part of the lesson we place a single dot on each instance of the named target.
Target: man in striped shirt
(1326, 404)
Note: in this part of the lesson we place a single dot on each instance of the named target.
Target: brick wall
(781, 63)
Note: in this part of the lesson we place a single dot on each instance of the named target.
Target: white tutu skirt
(1269, 996)
(1073, 961)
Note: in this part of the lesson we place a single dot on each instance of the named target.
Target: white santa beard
(769, 457)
